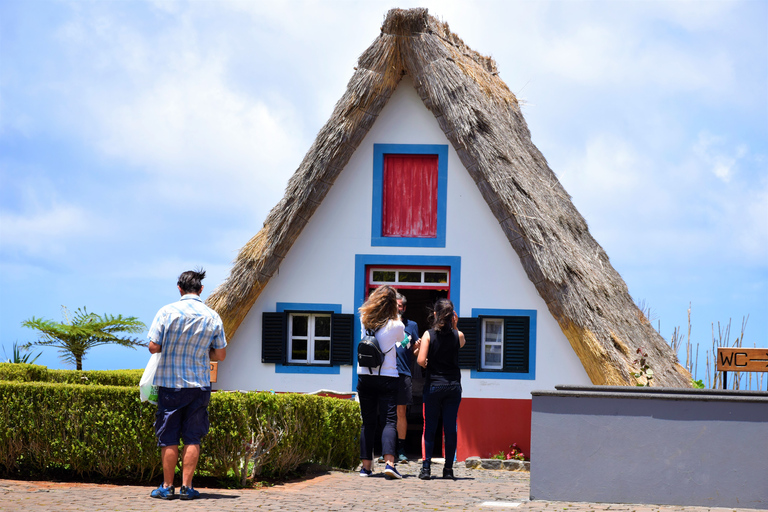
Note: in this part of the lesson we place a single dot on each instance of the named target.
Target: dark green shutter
(341, 338)
(272, 337)
(468, 353)
(516, 342)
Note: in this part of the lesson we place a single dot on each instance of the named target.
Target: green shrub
(19, 372)
(89, 430)
(97, 377)
(22, 372)
(105, 431)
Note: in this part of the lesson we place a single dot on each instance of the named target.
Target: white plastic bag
(147, 389)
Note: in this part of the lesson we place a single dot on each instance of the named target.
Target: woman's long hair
(380, 308)
(441, 318)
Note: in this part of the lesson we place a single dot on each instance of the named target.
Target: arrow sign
(742, 359)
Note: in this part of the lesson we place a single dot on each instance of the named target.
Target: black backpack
(369, 354)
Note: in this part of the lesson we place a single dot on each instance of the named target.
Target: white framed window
(309, 338)
(492, 348)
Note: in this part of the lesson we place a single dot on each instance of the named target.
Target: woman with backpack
(439, 355)
(377, 386)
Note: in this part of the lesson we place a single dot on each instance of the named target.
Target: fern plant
(83, 331)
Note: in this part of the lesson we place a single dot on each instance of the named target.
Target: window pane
(323, 326)
(409, 277)
(435, 277)
(493, 343)
(493, 331)
(299, 325)
(386, 276)
(299, 350)
(322, 350)
(493, 356)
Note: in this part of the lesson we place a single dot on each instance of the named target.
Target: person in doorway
(189, 335)
(438, 353)
(404, 386)
(377, 387)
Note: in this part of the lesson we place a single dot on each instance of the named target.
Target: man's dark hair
(191, 281)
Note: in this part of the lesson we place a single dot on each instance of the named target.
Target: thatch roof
(482, 120)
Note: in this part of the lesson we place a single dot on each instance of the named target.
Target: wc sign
(742, 359)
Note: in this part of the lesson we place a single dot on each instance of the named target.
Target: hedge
(21, 372)
(105, 431)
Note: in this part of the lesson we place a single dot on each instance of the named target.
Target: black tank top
(443, 357)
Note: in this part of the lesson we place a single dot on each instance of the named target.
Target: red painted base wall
(487, 426)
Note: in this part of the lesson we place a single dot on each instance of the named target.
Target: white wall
(319, 268)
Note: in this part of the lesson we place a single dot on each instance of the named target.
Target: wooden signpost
(739, 359)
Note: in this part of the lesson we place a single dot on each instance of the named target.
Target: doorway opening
(422, 287)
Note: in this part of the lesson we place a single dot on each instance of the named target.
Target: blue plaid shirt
(186, 330)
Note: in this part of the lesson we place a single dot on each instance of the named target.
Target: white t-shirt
(388, 336)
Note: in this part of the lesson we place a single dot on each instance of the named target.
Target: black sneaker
(448, 474)
(163, 493)
(425, 474)
(188, 493)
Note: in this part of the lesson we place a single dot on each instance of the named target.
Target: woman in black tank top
(438, 354)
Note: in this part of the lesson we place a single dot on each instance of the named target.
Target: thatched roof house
(482, 120)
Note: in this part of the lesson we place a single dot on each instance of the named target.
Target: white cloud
(714, 154)
(44, 232)
(164, 104)
(191, 123)
(639, 47)
(650, 209)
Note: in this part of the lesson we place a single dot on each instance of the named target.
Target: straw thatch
(482, 120)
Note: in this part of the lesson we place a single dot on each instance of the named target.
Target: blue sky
(141, 139)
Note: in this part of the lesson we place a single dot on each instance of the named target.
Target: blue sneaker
(188, 493)
(365, 472)
(390, 473)
(163, 493)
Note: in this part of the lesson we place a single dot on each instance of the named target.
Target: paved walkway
(475, 489)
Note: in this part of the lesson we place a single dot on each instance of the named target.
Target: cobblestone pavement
(474, 489)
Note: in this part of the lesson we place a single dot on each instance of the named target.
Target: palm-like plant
(19, 355)
(82, 332)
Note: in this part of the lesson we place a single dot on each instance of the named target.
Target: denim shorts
(182, 413)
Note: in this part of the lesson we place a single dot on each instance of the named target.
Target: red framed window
(409, 206)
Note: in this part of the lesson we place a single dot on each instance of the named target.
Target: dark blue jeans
(445, 399)
(378, 396)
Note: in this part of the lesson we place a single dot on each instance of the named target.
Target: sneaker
(163, 493)
(390, 473)
(365, 472)
(402, 458)
(425, 474)
(188, 493)
(380, 460)
(448, 474)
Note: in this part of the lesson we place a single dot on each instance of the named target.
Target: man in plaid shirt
(189, 335)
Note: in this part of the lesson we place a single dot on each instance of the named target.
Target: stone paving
(474, 489)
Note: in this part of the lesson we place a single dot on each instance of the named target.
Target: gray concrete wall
(650, 445)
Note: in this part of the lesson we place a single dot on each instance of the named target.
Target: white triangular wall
(320, 266)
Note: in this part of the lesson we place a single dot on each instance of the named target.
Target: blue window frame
(379, 150)
(287, 307)
(482, 314)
